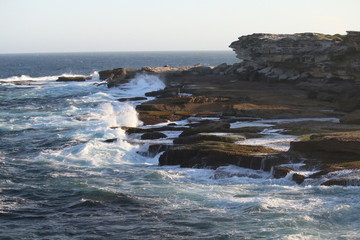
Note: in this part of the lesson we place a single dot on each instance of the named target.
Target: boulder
(298, 178)
(280, 172)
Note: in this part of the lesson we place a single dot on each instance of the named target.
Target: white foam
(272, 140)
(43, 78)
(141, 84)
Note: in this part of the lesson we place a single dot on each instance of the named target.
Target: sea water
(60, 180)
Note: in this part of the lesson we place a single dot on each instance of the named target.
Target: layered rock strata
(305, 75)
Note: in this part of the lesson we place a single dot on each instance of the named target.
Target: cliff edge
(327, 66)
(302, 55)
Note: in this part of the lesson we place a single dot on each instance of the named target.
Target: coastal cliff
(327, 66)
(297, 88)
(301, 56)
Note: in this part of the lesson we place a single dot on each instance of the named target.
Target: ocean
(59, 179)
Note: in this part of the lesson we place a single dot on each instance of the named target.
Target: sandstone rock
(153, 135)
(289, 56)
(351, 118)
(345, 143)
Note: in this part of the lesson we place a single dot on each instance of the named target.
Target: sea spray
(59, 179)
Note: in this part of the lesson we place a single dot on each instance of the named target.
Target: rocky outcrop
(303, 55)
(340, 142)
(329, 151)
(153, 135)
(212, 154)
(132, 99)
(117, 76)
(72, 79)
(327, 66)
(342, 182)
(208, 137)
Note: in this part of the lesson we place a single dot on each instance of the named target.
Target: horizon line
(126, 51)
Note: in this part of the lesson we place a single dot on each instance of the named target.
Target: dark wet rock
(221, 69)
(155, 149)
(110, 140)
(207, 137)
(153, 135)
(342, 182)
(298, 178)
(214, 154)
(325, 171)
(72, 79)
(349, 101)
(351, 118)
(132, 130)
(269, 161)
(206, 128)
(165, 93)
(117, 76)
(280, 172)
(132, 99)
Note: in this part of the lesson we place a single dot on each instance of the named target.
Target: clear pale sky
(161, 25)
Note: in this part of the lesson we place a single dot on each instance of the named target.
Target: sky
(38, 26)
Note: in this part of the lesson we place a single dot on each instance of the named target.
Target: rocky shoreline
(299, 91)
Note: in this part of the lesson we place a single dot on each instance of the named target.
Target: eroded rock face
(303, 55)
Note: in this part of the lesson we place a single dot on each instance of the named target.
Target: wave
(94, 76)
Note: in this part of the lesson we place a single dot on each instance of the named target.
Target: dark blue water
(36, 65)
(60, 180)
